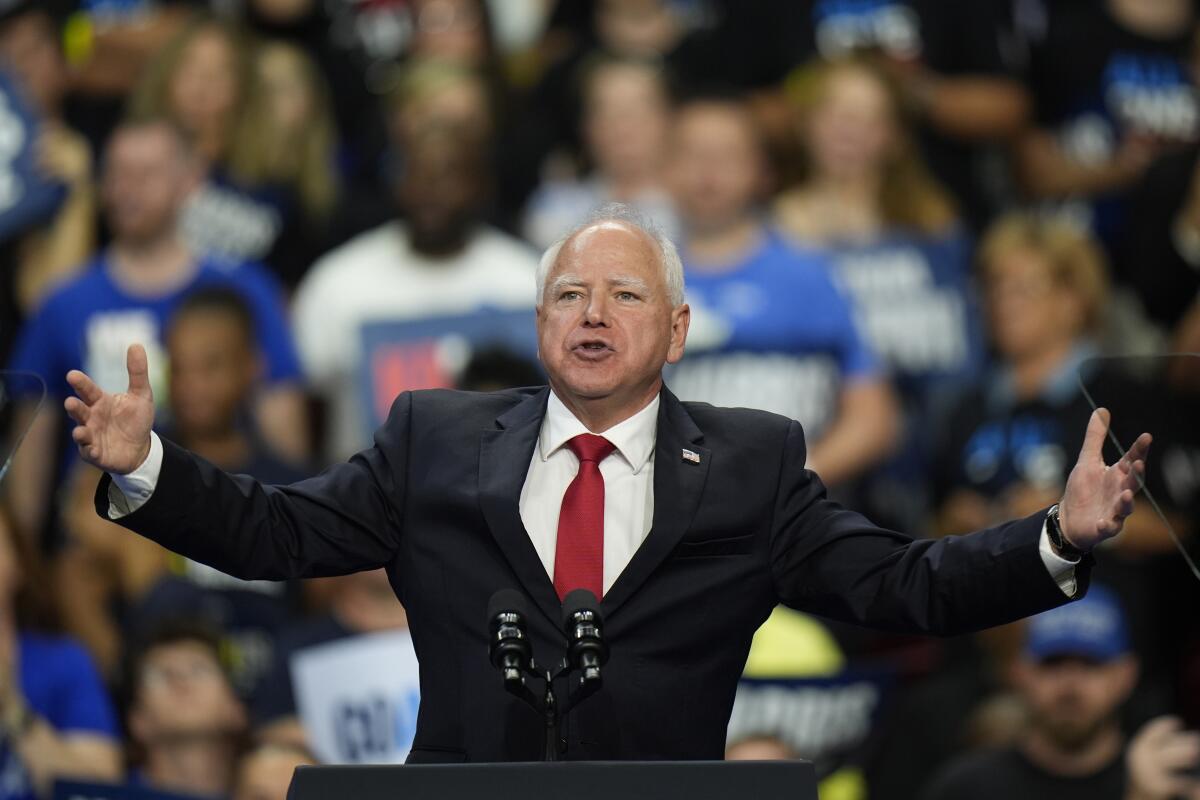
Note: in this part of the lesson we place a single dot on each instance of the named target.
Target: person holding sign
(694, 522)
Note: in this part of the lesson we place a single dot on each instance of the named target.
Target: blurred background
(932, 231)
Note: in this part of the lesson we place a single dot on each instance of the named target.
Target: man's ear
(681, 319)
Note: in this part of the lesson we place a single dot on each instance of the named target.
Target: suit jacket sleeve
(346, 519)
(831, 561)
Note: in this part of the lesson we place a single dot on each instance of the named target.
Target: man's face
(716, 168)
(212, 372)
(1071, 700)
(440, 195)
(605, 323)
(182, 692)
(28, 47)
(147, 178)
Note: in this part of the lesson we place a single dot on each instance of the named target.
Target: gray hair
(624, 214)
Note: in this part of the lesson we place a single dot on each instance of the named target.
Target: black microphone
(584, 626)
(508, 644)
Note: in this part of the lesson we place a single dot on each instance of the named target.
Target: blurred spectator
(39, 258)
(440, 262)
(437, 94)
(126, 294)
(362, 603)
(898, 253)
(215, 367)
(626, 116)
(55, 718)
(954, 66)
(1009, 443)
(1076, 673)
(1158, 256)
(285, 150)
(185, 722)
(1112, 88)
(263, 128)
(265, 773)
(769, 329)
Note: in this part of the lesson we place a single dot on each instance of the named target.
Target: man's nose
(597, 311)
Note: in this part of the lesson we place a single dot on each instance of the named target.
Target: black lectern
(578, 780)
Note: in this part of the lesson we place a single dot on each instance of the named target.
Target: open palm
(113, 430)
(1099, 497)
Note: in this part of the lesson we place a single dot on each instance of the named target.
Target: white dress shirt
(628, 484)
(628, 490)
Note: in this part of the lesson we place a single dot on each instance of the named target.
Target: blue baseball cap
(1092, 627)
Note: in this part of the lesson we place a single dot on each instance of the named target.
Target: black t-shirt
(1147, 260)
(993, 441)
(1008, 774)
(1095, 83)
(275, 696)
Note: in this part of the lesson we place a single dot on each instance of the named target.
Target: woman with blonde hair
(897, 250)
(259, 116)
(1009, 442)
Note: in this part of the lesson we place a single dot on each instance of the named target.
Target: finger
(84, 386)
(139, 371)
(1159, 729)
(1124, 505)
(1139, 449)
(82, 436)
(1093, 440)
(77, 409)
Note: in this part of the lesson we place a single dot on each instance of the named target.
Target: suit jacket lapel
(504, 458)
(678, 487)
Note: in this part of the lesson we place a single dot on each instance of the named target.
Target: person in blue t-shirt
(896, 249)
(127, 293)
(55, 718)
(769, 330)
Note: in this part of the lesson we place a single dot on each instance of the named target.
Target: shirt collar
(633, 437)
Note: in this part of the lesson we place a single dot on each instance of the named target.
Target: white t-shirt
(377, 277)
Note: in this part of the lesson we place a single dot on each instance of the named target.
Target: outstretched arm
(345, 520)
(832, 561)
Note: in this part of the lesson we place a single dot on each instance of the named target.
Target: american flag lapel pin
(691, 455)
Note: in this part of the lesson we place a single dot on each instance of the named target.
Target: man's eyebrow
(563, 281)
(631, 282)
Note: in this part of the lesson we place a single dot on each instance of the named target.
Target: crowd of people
(934, 232)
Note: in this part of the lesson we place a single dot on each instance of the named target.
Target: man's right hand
(113, 430)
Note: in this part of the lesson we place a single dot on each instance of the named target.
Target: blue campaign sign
(26, 196)
(71, 790)
(431, 353)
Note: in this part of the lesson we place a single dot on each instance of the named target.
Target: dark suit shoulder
(459, 404)
(744, 423)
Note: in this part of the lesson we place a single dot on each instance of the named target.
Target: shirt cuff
(1061, 569)
(128, 493)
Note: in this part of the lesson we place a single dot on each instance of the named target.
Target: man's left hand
(1099, 497)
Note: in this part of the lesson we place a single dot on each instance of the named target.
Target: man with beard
(1075, 674)
(440, 265)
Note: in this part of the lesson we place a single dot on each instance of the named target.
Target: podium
(578, 780)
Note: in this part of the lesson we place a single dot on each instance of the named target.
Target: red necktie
(579, 555)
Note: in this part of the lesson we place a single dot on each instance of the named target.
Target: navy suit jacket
(435, 501)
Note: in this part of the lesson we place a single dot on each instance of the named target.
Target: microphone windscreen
(507, 600)
(579, 600)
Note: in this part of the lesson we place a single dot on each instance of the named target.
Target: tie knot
(590, 447)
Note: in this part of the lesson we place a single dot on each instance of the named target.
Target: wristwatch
(1058, 541)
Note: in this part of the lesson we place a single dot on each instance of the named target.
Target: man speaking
(691, 522)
